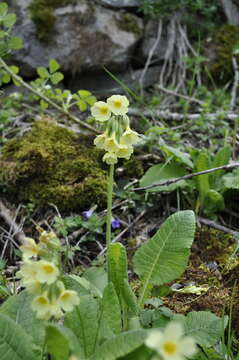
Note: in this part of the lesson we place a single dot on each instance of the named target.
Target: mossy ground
(211, 264)
(50, 164)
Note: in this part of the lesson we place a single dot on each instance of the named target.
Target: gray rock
(120, 3)
(83, 37)
(102, 85)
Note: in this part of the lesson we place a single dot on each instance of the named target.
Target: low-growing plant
(98, 315)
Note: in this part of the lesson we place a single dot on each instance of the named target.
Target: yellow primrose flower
(42, 306)
(100, 141)
(111, 144)
(171, 344)
(129, 137)
(124, 151)
(118, 104)
(28, 271)
(101, 111)
(110, 158)
(68, 300)
(46, 236)
(33, 287)
(29, 248)
(47, 272)
(55, 309)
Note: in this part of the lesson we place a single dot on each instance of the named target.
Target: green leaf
(221, 158)
(87, 285)
(84, 93)
(164, 257)
(120, 345)
(214, 202)
(56, 78)
(53, 65)
(205, 327)
(18, 308)
(9, 20)
(96, 276)
(6, 78)
(15, 69)
(3, 9)
(43, 72)
(130, 298)
(81, 105)
(83, 321)
(179, 156)
(202, 181)
(118, 267)
(61, 342)
(15, 43)
(162, 172)
(91, 100)
(43, 104)
(14, 343)
(111, 311)
(231, 181)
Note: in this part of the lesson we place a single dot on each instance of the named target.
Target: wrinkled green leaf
(164, 257)
(162, 172)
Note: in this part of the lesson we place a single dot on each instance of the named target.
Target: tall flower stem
(109, 210)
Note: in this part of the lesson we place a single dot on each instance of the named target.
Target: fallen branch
(186, 177)
(174, 93)
(46, 99)
(167, 115)
(235, 84)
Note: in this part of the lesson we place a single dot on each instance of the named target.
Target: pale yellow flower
(68, 300)
(29, 248)
(46, 236)
(33, 287)
(124, 151)
(111, 144)
(55, 309)
(101, 111)
(100, 141)
(171, 344)
(28, 271)
(42, 306)
(118, 104)
(47, 272)
(110, 158)
(129, 137)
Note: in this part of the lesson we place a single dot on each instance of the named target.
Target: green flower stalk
(117, 140)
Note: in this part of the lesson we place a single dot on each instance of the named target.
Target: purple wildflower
(115, 223)
(87, 214)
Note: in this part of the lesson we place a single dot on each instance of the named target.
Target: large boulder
(81, 36)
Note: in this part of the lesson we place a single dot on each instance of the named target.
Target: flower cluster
(171, 344)
(40, 275)
(118, 138)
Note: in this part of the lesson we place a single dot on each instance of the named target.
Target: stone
(81, 37)
(120, 3)
(102, 85)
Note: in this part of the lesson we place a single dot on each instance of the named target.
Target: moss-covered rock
(129, 22)
(42, 14)
(220, 52)
(51, 164)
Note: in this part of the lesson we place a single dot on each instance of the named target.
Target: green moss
(42, 14)
(224, 41)
(129, 23)
(53, 165)
(133, 167)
